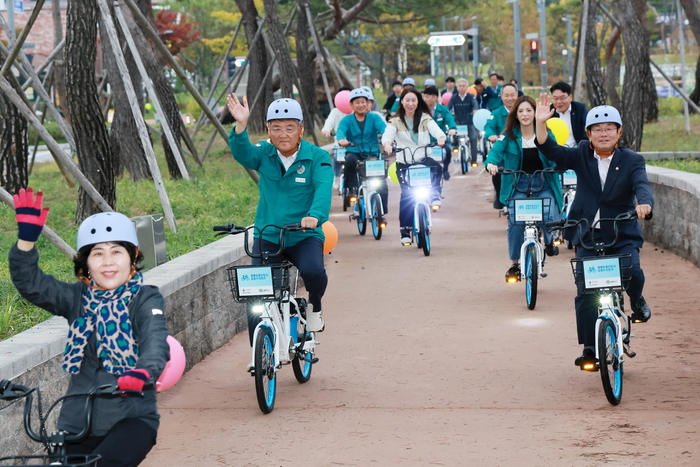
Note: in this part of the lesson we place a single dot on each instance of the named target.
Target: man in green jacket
(445, 121)
(295, 185)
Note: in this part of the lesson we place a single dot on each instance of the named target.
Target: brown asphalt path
(437, 361)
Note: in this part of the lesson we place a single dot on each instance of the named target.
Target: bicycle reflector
(455, 149)
(353, 199)
(589, 366)
(435, 207)
(512, 278)
(474, 164)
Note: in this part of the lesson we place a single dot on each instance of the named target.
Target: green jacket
(510, 153)
(286, 197)
(444, 119)
(349, 129)
(496, 122)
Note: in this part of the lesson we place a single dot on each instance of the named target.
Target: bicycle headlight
(375, 183)
(258, 309)
(605, 299)
(422, 192)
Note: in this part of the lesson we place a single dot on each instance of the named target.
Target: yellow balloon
(559, 129)
(392, 173)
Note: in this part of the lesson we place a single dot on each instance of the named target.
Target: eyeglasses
(607, 130)
(561, 98)
(277, 130)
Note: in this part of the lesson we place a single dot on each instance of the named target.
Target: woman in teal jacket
(516, 150)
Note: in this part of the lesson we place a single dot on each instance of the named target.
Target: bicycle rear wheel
(377, 216)
(531, 276)
(610, 361)
(346, 202)
(265, 381)
(423, 234)
(361, 214)
(463, 159)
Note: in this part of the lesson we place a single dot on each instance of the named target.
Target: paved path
(437, 361)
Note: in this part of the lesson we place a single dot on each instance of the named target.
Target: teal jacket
(286, 197)
(496, 122)
(510, 153)
(349, 129)
(444, 119)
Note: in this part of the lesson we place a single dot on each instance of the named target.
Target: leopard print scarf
(108, 312)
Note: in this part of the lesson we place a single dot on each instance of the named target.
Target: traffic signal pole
(518, 48)
(543, 45)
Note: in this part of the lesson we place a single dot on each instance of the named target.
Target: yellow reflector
(353, 199)
(589, 366)
(474, 164)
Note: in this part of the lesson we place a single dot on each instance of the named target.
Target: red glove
(30, 216)
(133, 379)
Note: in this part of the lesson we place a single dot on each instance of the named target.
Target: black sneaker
(497, 204)
(551, 250)
(445, 175)
(640, 311)
(513, 274)
(587, 357)
(406, 236)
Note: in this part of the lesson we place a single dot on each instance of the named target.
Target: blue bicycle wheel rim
(528, 275)
(615, 376)
(271, 383)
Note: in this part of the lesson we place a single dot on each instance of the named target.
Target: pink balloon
(342, 102)
(174, 368)
(446, 98)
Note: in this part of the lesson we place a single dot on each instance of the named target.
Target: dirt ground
(437, 361)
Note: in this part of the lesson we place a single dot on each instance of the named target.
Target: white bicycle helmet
(603, 114)
(283, 109)
(357, 93)
(410, 81)
(430, 82)
(106, 227)
(369, 91)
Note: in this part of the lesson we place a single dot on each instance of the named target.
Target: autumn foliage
(176, 30)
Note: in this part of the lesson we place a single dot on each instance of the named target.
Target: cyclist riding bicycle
(295, 186)
(445, 121)
(516, 150)
(117, 331)
(410, 128)
(363, 128)
(609, 178)
(463, 105)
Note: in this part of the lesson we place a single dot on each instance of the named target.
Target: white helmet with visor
(283, 109)
(106, 227)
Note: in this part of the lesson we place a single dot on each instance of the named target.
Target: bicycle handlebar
(540, 172)
(413, 151)
(599, 247)
(232, 229)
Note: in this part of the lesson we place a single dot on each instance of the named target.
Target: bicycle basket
(568, 178)
(418, 175)
(594, 273)
(258, 282)
(523, 210)
(373, 168)
(89, 460)
(339, 153)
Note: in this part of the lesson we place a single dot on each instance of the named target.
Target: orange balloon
(472, 90)
(331, 234)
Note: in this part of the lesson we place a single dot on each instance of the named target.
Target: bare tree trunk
(257, 68)
(127, 151)
(695, 95)
(278, 43)
(308, 65)
(613, 60)
(637, 69)
(154, 67)
(691, 8)
(91, 138)
(59, 66)
(13, 141)
(595, 88)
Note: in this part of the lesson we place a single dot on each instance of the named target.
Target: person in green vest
(495, 125)
(445, 121)
(295, 186)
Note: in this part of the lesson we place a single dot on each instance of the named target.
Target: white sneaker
(336, 182)
(314, 320)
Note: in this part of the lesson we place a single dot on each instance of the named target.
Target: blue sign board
(255, 281)
(436, 153)
(419, 175)
(19, 5)
(375, 169)
(339, 153)
(528, 210)
(601, 273)
(569, 177)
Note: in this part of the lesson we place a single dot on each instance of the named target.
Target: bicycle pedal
(314, 360)
(543, 275)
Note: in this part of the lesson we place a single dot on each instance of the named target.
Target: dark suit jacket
(627, 179)
(578, 120)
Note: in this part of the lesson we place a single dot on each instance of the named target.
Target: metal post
(477, 49)
(444, 52)
(517, 34)
(681, 46)
(569, 48)
(578, 88)
(10, 6)
(432, 61)
(461, 28)
(543, 45)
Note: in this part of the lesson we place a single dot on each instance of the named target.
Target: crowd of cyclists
(117, 324)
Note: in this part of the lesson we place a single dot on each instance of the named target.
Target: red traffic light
(534, 45)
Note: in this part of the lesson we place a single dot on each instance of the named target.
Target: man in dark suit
(573, 113)
(609, 179)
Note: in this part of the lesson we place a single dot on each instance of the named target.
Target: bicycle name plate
(436, 153)
(568, 178)
(419, 175)
(339, 154)
(255, 282)
(529, 209)
(375, 169)
(600, 273)
(462, 128)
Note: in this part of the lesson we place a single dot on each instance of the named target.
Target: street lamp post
(569, 48)
(517, 47)
(543, 44)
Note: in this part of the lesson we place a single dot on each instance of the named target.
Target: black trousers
(352, 180)
(125, 445)
(407, 202)
(586, 304)
(307, 256)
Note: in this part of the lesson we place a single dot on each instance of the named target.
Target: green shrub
(52, 128)
(670, 106)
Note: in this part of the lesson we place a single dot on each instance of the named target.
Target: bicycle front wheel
(610, 361)
(531, 277)
(423, 234)
(361, 214)
(377, 216)
(463, 159)
(303, 361)
(265, 381)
